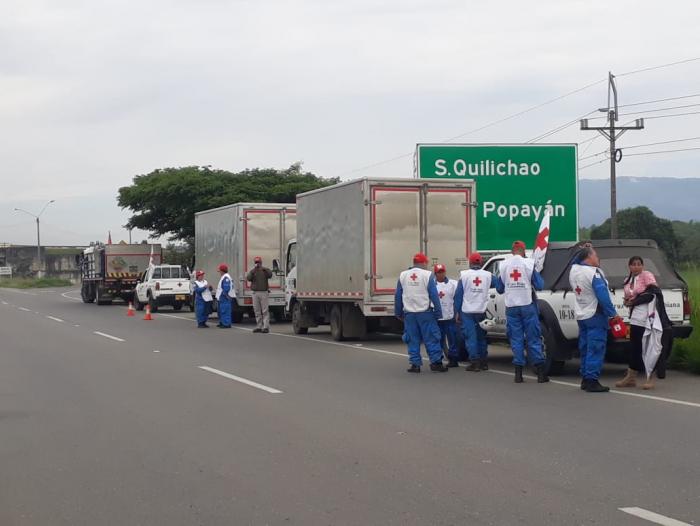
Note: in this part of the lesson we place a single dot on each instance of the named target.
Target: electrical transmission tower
(612, 132)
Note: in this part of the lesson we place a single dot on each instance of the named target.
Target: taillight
(686, 306)
(157, 285)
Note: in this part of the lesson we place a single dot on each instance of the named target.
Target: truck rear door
(448, 228)
(266, 235)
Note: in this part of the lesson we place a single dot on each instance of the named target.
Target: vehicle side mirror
(275, 265)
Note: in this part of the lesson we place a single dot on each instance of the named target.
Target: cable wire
(652, 68)
(662, 151)
(661, 142)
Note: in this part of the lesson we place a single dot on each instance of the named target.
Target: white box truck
(355, 238)
(234, 235)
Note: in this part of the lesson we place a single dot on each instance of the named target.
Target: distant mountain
(670, 198)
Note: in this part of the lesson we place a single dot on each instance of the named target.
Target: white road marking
(108, 336)
(24, 309)
(653, 517)
(19, 292)
(65, 295)
(59, 320)
(230, 376)
(76, 325)
(156, 351)
(4, 302)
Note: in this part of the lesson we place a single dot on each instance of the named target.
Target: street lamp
(38, 238)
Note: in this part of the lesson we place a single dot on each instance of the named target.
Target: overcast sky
(95, 92)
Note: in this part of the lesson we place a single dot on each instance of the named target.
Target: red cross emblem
(413, 276)
(441, 294)
(477, 281)
(578, 290)
(516, 275)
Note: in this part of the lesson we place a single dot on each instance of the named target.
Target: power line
(642, 70)
(673, 115)
(662, 142)
(592, 164)
(592, 155)
(659, 100)
(560, 128)
(662, 151)
(652, 111)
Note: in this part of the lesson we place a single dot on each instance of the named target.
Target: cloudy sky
(94, 92)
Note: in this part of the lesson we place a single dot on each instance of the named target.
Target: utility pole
(612, 132)
(38, 236)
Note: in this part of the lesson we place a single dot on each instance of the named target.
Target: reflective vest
(219, 288)
(581, 280)
(476, 285)
(414, 283)
(446, 291)
(516, 274)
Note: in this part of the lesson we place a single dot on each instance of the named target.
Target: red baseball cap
(199, 273)
(439, 268)
(519, 244)
(257, 259)
(420, 258)
(223, 267)
(475, 259)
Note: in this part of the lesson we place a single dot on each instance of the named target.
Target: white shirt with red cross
(446, 291)
(516, 274)
(414, 283)
(475, 284)
(581, 280)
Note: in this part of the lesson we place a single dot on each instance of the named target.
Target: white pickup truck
(556, 303)
(164, 285)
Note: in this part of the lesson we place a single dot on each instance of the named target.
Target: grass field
(686, 353)
(22, 283)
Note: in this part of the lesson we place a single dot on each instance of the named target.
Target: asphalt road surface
(111, 420)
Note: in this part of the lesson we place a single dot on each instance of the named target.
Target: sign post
(516, 184)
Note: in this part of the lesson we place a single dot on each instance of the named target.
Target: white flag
(150, 259)
(541, 243)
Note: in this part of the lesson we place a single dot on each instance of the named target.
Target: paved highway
(110, 420)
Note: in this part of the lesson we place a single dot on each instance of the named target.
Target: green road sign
(515, 184)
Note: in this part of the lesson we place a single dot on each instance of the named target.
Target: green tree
(641, 223)
(689, 237)
(164, 201)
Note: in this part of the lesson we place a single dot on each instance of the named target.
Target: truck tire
(296, 320)
(100, 297)
(137, 304)
(337, 323)
(86, 293)
(152, 303)
(549, 346)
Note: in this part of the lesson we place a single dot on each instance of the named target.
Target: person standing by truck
(446, 288)
(415, 291)
(202, 299)
(259, 278)
(517, 280)
(594, 309)
(471, 299)
(224, 294)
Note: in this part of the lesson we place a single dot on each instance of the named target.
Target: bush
(27, 283)
(686, 353)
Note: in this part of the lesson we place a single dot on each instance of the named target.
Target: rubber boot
(519, 374)
(630, 379)
(649, 384)
(661, 368)
(542, 377)
(413, 369)
(438, 367)
(484, 364)
(594, 386)
(474, 366)
(452, 362)
(584, 384)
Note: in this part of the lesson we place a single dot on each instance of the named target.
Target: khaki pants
(262, 310)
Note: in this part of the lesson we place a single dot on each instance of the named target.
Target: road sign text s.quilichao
(516, 185)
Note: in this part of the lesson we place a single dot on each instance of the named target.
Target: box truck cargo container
(354, 239)
(111, 271)
(234, 235)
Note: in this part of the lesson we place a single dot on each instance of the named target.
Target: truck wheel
(296, 320)
(177, 307)
(86, 294)
(137, 304)
(549, 347)
(100, 297)
(152, 303)
(336, 323)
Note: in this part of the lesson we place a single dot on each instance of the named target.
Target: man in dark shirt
(259, 277)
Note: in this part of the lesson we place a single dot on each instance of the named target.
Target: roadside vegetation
(686, 353)
(34, 283)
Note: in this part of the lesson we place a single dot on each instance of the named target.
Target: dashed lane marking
(59, 320)
(245, 381)
(25, 309)
(109, 336)
(650, 516)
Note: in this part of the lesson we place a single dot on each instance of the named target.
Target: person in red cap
(416, 290)
(225, 294)
(259, 277)
(202, 299)
(518, 280)
(448, 328)
(471, 300)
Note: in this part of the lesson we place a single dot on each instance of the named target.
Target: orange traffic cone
(148, 313)
(130, 311)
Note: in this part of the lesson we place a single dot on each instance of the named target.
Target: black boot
(595, 387)
(452, 362)
(661, 368)
(484, 364)
(542, 377)
(413, 369)
(584, 384)
(519, 374)
(474, 366)
(438, 367)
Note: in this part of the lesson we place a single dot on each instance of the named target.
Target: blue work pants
(225, 311)
(448, 334)
(592, 343)
(523, 326)
(422, 327)
(474, 335)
